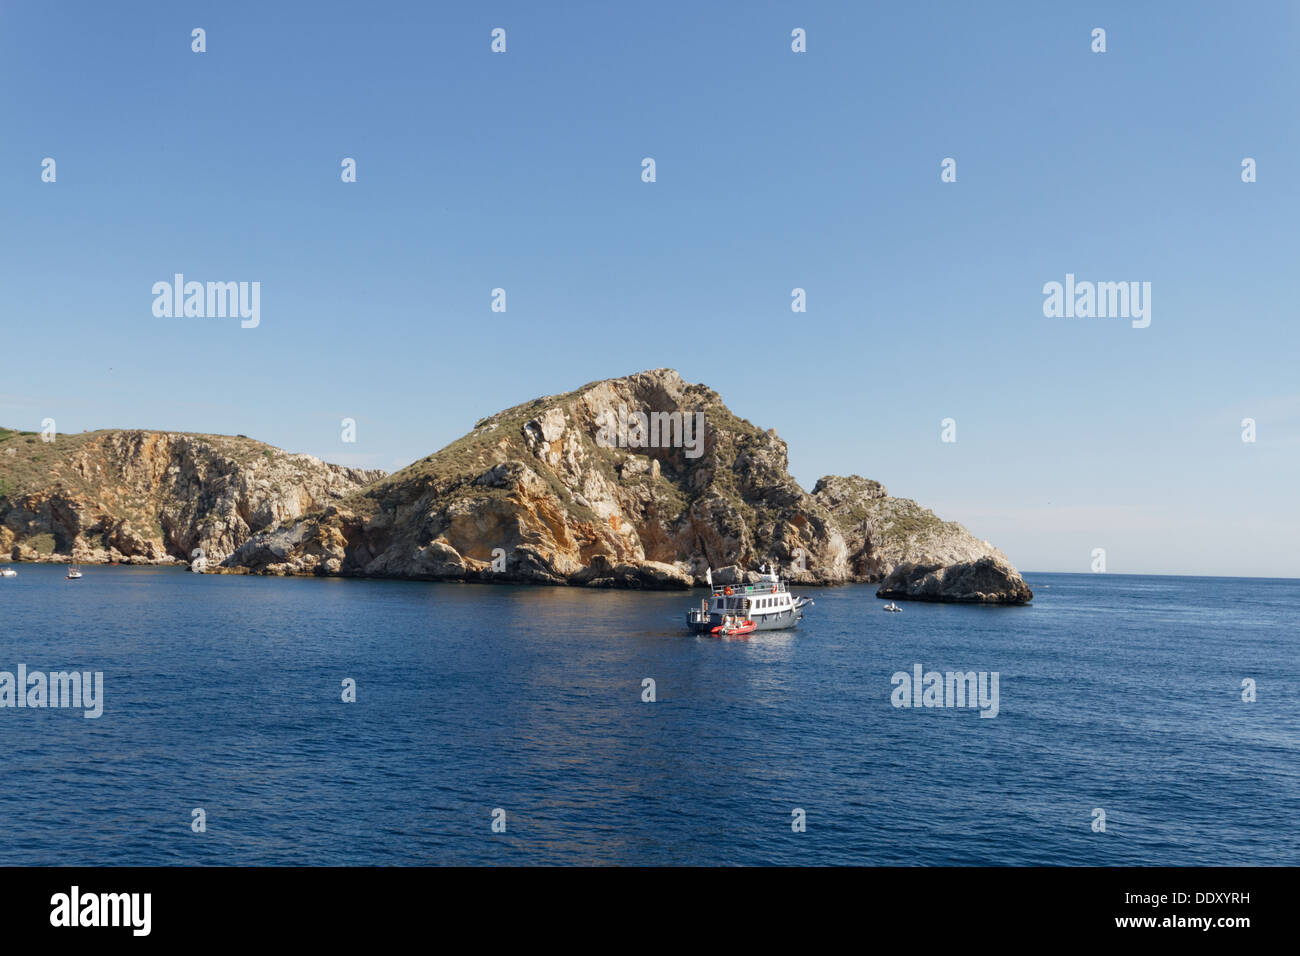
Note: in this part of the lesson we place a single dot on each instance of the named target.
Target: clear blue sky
(775, 170)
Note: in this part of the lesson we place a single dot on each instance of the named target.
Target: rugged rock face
(152, 497)
(617, 485)
(886, 534)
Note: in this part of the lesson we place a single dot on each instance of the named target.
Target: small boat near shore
(892, 608)
(74, 574)
(8, 573)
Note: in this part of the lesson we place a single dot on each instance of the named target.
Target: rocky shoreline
(907, 582)
(26, 556)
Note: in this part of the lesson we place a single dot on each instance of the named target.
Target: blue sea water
(1122, 693)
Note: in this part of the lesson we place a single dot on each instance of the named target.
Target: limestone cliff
(152, 497)
(610, 485)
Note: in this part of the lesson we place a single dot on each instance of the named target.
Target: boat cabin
(769, 598)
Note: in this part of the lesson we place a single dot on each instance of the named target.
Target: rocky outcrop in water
(139, 497)
(645, 481)
(986, 580)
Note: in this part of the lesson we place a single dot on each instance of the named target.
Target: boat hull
(776, 621)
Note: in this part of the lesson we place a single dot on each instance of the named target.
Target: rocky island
(610, 485)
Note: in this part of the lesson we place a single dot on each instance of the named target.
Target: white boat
(74, 574)
(892, 607)
(769, 604)
(8, 573)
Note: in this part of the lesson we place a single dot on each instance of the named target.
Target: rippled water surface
(1116, 692)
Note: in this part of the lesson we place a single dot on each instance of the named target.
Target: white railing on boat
(743, 590)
